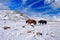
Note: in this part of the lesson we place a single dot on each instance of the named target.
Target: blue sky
(30, 7)
(12, 4)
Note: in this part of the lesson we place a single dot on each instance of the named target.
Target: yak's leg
(40, 23)
(32, 25)
(45, 22)
(27, 24)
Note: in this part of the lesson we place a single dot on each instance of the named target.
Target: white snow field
(19, 30)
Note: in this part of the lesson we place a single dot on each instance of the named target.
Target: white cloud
(56, 4)
(3, 7)
(24, 1)
(47, 1)
(46, 17)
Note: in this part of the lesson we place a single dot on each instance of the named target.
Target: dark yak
(42, 21)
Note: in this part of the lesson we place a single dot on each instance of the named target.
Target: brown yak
(31, 21)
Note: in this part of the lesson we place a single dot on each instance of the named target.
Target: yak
(31, 21)
(42, 21)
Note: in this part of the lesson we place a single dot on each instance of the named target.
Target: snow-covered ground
(19, 30)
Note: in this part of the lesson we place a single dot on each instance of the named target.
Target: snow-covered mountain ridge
(19, 30)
